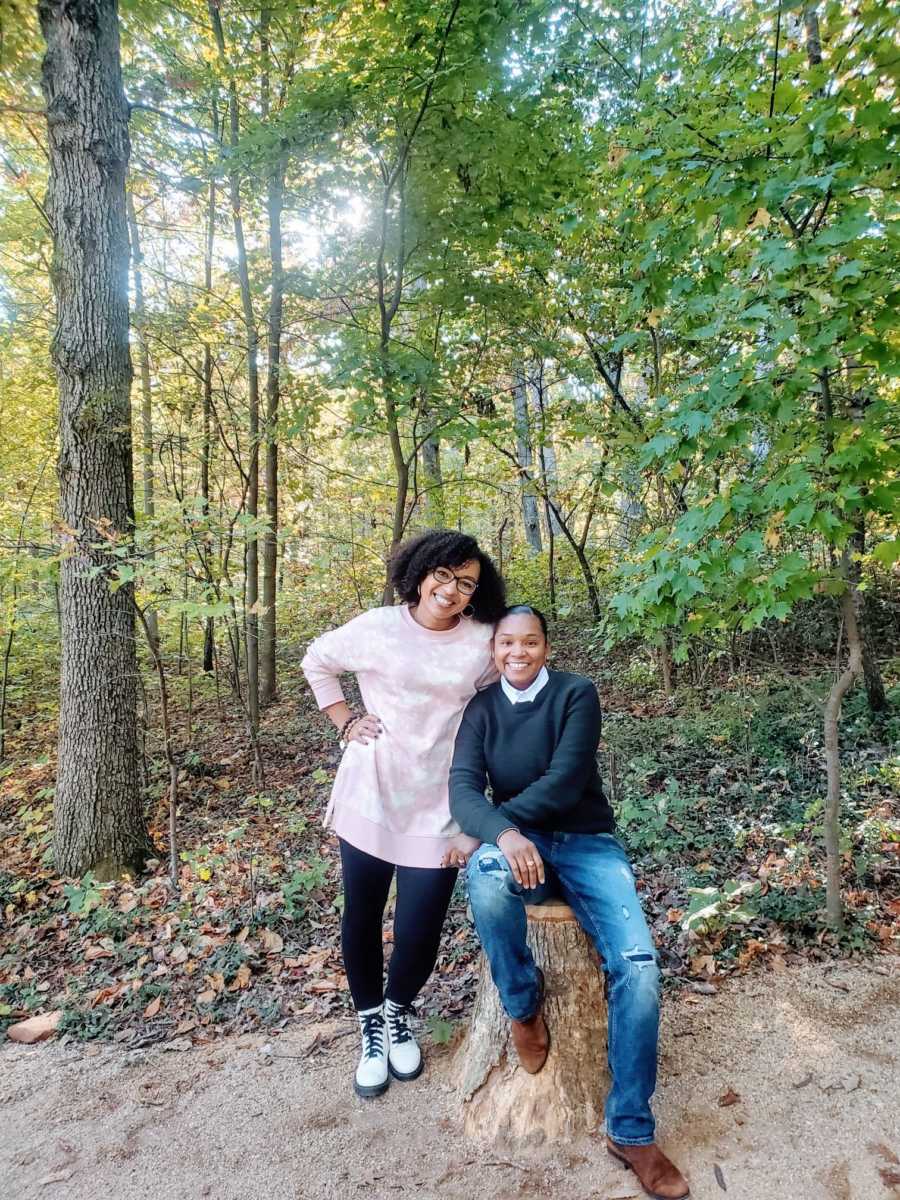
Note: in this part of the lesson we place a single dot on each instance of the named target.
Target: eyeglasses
(464, 585)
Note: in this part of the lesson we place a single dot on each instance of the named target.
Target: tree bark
(99, 820)
(546, 454)
(530, 518)
(140, 325)
(206, 443)
(832, 814)
(432, 474)
(504, 1104)
(274, 206)
(251, 556)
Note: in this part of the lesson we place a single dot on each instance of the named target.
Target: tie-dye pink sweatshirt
(390, 796)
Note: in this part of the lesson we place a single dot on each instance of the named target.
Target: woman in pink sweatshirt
(418, 665)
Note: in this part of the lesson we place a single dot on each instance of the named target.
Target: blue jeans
(592, 874)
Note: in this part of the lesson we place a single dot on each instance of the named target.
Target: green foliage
(302, 884)
(83, 897)
(713, 908)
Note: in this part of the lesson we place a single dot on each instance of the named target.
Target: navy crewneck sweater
(539, 757)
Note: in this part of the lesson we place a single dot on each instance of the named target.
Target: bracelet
(346, 728)
(346, 725)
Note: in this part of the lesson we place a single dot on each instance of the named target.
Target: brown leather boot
(532, 1037)
(657, 1174)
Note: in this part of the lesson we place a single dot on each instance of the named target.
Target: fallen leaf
(108, 994)
(94, 952)
(35, 1029)
(884, 1152)
(273, 942)
(331, 983)
(206, 997)
(241, 978)
(179, 953)
(728, 1098)
(153, 1007)
(889, 1177)
(720, 1178)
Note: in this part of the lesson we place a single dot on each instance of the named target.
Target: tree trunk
(251, 556)
(99, 821)
(274, 205)
(140, 325)
(502, 1102)
(832, 815)
(546, 454)
(530, 517)
(206, 444)
(389, 303)
(434, 478)
(666, 666)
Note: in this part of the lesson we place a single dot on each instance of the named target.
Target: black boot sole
(370, 1091)
(406, 1077)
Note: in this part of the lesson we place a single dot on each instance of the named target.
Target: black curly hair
(418, 557)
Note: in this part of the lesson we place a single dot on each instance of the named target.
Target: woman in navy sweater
(547, 829)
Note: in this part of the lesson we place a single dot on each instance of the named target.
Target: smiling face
(440, 603)
(520, 649)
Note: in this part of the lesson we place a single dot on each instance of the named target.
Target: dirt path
(812, 1053)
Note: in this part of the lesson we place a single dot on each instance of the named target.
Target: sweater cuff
(327, 692)
(493, 824)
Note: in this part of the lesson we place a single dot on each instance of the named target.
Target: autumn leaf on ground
(273, 942)
(241, 978)
(728, 1098)
(153, 1007)
(35, 1029)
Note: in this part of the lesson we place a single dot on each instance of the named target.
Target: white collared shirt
(520, 695)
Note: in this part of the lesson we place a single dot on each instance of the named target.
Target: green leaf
(887, 552)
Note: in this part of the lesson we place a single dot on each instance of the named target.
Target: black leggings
(423, 896)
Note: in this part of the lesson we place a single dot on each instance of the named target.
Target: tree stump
(503, 1103)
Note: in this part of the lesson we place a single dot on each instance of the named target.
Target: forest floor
(781, 1086)
(167, 994)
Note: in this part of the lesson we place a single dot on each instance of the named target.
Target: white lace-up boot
(404, 1055)
(371, 1077)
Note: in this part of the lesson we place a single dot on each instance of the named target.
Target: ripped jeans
(592, 874)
